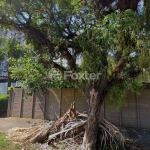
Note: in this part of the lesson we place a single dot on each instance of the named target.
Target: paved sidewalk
(141, 137)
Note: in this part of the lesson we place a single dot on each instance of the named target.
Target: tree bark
(91, 131)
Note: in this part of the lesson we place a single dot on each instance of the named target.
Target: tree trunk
(91, 130)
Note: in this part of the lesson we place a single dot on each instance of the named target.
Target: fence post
(33, 106)
(45, 108)
(60, 103)
(74, 97)
(137, 111)
(9, 103)
(22, 104)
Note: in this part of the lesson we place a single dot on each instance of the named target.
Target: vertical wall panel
(67, 99)
(81, 104)
(27, 105)
(112, 115)
(129, 113)
(16, 102)
(39, 105)
(144, 109)
(9, 104)
(53, 97)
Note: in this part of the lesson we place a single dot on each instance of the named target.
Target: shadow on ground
(141, 137)
(3, 115)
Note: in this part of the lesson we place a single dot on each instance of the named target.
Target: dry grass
(9, 145)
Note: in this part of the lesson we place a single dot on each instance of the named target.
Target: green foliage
(10, 88)
(118, 35)
(10, 48)
(34, 76)
(14, 49)
(2, 51)
(118, 92)
(3, 143)
(3, 103)
(94, 61)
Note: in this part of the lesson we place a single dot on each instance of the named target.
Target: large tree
(111, 36)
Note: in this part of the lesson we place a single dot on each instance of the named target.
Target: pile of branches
(68, 129)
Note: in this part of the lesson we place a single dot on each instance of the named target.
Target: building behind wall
(19, 37)
(3, 67)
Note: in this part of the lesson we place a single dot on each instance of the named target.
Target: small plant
(3, 103)
(3, 142)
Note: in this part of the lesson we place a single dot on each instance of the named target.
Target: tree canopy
(115, 43)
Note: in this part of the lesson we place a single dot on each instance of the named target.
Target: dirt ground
(12, 122)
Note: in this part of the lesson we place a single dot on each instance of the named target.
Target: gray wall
(55, 102)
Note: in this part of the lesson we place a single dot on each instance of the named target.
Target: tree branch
(51, 64)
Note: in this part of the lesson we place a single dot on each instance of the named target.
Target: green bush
(3, 103)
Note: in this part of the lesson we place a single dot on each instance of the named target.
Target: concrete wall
(56, 101)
